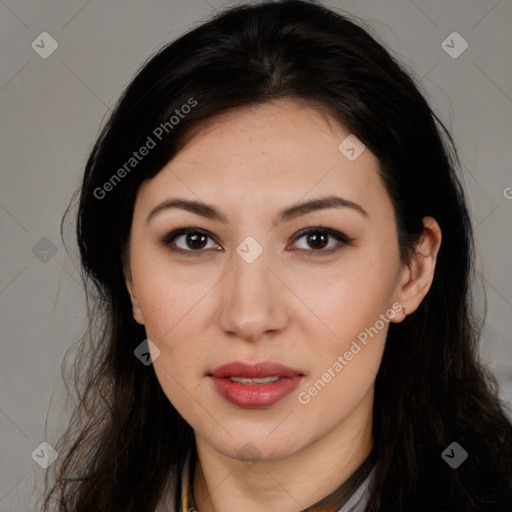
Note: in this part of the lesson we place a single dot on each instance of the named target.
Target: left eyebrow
(321, 203)
(292, 212)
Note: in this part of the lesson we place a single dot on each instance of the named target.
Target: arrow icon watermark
(351, 147)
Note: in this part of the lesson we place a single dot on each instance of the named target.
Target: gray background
(51, 110)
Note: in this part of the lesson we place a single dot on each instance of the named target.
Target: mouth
(252, 386)
(256, 380)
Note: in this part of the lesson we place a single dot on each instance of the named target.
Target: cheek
(162, 297)
(349, 297)
(357, 334)
(175, 314)
(346, 358)
(332, 394)
(350, 321)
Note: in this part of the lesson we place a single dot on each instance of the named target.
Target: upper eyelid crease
(292, 212)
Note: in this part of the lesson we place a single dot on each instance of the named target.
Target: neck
(225, 484)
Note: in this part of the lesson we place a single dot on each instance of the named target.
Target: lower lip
(253, 396)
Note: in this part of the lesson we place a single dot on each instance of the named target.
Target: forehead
(284, 149)
(275, 133)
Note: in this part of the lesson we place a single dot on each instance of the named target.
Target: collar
(356, 503)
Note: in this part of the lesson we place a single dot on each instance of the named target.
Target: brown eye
(191, 241)
(195, 241)
(318, 241)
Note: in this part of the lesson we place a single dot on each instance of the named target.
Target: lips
(257, 370)
(255, 385)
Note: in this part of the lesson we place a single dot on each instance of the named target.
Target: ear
(137, 312)
(418, 275)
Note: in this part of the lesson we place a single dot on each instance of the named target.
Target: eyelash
(342, 239)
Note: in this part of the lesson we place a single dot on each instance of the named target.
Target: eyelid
(342, 239)
(338, 235)
(167, 239)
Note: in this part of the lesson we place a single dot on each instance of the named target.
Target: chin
(260, 446)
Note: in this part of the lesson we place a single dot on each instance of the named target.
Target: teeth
(256, 380)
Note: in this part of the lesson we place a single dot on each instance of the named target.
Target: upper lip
(254, 370)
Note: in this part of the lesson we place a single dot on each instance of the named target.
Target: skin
(211, 308)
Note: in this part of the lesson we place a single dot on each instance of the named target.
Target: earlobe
(137, 315)
(419, 274)
(137, 312)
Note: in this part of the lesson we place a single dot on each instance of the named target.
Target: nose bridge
(253, 302)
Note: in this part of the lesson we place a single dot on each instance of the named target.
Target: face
(243, 276)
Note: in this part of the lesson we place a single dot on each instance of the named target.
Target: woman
(273, 219)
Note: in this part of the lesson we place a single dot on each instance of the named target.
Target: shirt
(356, 503)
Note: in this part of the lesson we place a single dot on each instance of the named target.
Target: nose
(254, 303)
